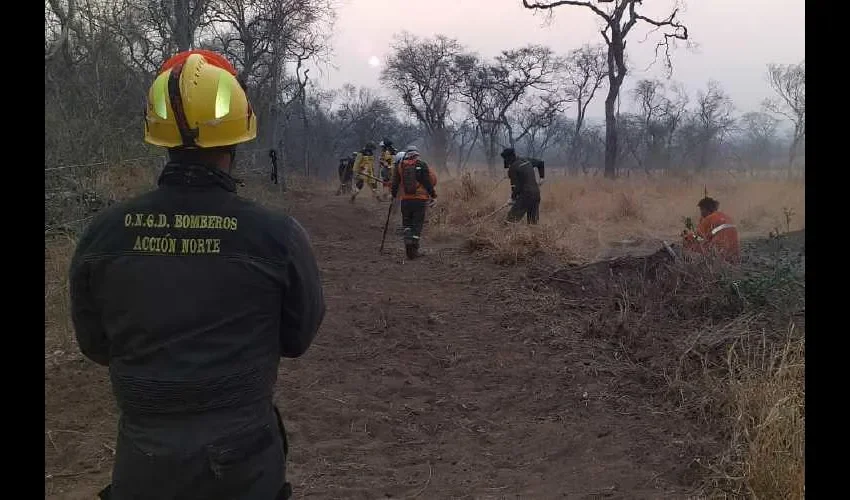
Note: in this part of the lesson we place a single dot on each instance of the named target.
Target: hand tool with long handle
(386, 226)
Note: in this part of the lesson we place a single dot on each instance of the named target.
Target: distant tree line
(459, 107)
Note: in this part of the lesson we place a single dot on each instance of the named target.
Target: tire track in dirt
(444, 377)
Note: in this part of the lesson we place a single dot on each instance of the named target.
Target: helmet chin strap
(187, 134)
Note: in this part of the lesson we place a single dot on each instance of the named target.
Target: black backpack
(411, 171)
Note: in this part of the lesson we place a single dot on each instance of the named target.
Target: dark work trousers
(170, 458)
(527, 205)
(413, 217)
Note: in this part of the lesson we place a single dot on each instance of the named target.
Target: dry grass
(580, 217)
(728, 350)
(59, 333)
(740, 374)
(763, 397)
(741, 370)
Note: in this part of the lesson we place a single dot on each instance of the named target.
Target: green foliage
(780, 287)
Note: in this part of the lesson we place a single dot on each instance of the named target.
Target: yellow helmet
(197, 104)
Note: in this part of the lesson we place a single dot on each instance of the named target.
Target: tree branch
(538, 6)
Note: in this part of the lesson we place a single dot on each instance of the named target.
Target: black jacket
(521, 175)
(191, 294)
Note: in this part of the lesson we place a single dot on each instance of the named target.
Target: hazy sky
(735, 39)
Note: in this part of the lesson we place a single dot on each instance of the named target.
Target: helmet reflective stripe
(222, 97)
(721, 227)
(159, 88)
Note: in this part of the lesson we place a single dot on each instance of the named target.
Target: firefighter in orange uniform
(417, 183)
(715, 234)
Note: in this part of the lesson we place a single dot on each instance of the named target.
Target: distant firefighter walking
(417, 183)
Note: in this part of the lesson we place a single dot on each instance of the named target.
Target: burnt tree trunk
(440, 142)
(616, 74)
(611, 134)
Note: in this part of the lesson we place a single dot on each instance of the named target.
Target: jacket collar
(197, 176)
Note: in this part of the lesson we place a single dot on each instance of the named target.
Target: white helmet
(412, 150)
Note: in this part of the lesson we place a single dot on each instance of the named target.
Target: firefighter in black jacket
(190, 295)
(525, 191)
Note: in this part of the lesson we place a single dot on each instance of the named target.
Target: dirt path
(445, 377)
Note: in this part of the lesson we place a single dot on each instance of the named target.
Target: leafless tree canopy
(619, 18)
(789, 83)
(459, 107)
(426, 75)
(586, 72)
(522, 80)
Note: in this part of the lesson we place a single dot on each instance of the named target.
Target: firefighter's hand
(542, 180)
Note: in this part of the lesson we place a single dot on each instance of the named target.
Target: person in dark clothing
(190, 295)
(417, 182)
(525, 191)
(346, 174)
(273, 159)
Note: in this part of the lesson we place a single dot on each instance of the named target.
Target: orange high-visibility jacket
(421, 191)
(716, 233)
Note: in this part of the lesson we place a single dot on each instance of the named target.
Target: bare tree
(464, 136)
(659, 115)
(789, 83)
(269, 41)
(535, 115)
(425, 74)
(618, 20)
(490, 90)
(759, 135)
(586, 71)
(542, 136)
(714, 120)
(672, 115)
(359, 117)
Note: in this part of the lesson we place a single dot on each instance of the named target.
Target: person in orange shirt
(715, 234)
(417, 194)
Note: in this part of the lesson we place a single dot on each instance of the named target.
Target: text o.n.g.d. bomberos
(180, 221)
(176, 244)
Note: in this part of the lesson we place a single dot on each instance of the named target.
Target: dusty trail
(445, 377)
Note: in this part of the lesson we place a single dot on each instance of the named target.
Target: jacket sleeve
(539, 165)
(514, 178)
(704, 228)
(428, 180)
(303, 307)
(85, 313)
